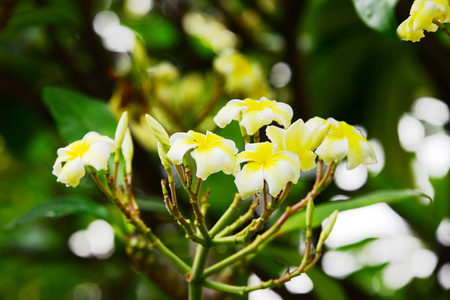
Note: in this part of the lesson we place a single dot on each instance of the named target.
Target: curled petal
(308, 160)
(72, 172)
(282, 113)
(277, 136)
(228, 113)
(360, 152)
(179, 148)
(249, 180)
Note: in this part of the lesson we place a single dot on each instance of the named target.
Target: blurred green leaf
(60, 207)
(77, 114)
(324, 210)
(155, 30)
(378, 14)
(29, 16)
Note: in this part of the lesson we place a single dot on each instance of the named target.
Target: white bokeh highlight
(411, 132)
(350, 180)
(280, 74)
(432, 111)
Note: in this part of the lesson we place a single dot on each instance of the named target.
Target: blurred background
(181, 60)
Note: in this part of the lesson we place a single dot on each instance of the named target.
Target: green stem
(241, 220)
(227, 216)
(195, 282)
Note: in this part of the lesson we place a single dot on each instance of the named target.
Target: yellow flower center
(78, 149)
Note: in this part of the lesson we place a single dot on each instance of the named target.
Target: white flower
(265, 163)
(301, 138)
(254, 114)
(212, 153)
(345, 140)
(93, 150)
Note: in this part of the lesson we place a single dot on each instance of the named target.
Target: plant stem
(195, 282)
(227, 216)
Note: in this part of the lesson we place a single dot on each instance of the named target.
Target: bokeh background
(172, 59)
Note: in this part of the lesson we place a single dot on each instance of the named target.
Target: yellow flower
(301, 138)
(93, 150)
(345, 140)
(241, 76)
(212, 153)
(254, 114)
(423, 14)
(265, 163)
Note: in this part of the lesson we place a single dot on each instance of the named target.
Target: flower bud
(159, 132)
(326, 230)
(309, 215)
(121, 129)
(127, 151)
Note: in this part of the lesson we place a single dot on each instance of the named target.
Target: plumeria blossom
(212, 153)
(301, 138)
(423, 14)
(93, 150)
(345, 140)
(254, 114)
(266, 163)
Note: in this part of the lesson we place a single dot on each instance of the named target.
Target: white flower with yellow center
(423, 15)
(345, 140)
(212, 153)
(301, 138)
(93, 150)
(265, 163)
(254, 114)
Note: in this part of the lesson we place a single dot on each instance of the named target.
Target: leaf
(60, 207)
(378, 14)
(333, 290)
(28, 16)
(324, 210)
(77, 114)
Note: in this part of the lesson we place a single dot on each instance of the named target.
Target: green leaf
(60, 207)
(77, 114)
(378, 14)
(28, 16)
(333, 290)
(324, 210)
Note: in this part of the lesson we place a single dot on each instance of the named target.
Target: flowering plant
(265, 172)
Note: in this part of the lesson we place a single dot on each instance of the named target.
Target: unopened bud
(121, 129)
(159, 132)
(326, 230)
(309, 214)
(127, 151)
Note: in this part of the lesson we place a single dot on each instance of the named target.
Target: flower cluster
(424, 15)
(291, 149)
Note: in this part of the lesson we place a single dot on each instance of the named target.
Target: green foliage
(378, 15)
(76, 114)
(322, 211)
(66, 205)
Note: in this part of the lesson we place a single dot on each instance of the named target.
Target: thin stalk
(227, 216)
(195, 283)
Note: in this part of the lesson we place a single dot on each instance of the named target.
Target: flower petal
(253, 120)
(278, 173)
(249, 180)
(277, 136)
(308, 160)
(208, 161)
(282, 113)
(360, 152)
(72, 172)
(97, 155)
(179, 148)
(228, 112)
(333, 148)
